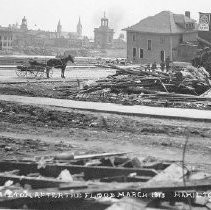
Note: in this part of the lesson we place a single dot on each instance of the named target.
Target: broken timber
(34, 182)
(90, 172)
(94, 156)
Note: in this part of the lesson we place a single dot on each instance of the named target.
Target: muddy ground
(28, 131)
(41, 89)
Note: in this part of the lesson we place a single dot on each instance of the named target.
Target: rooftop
(164, 22)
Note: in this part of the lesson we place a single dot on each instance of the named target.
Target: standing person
(204, 57)
(154, 66)
(162, 66)
(148, 67)
(168, 61)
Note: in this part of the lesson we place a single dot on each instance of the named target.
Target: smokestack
(187, 14)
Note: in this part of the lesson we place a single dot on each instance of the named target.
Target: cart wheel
(34, 72)
(40, 74)
(50, 73)
(21, 73)
(31, 73)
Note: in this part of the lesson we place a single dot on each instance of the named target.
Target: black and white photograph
(105, 105)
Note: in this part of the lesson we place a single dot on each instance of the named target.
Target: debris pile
(179, 87)
(89, 179)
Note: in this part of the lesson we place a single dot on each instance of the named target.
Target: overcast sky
(121, 13)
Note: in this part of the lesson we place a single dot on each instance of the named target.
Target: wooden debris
(138, 187)
(96, 156)
(90, 172)
(34, 182)
(137, 86)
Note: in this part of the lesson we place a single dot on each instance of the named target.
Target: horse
(59, 63)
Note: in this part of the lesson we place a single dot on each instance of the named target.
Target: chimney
(187, 14)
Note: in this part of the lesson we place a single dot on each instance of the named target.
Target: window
(5, 38)
(149, 44)
(189, 26)
(134, 37)
(162, 55)
(192, 26)
(141, 53)
(134, 52)
(162, 40)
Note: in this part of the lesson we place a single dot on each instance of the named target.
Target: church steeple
(104, 21)
(59, 29)
(79, 27)
(24, 24)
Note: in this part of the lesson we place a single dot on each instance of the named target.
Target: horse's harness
(63, 63)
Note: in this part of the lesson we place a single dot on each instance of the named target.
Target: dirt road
(136, 110)
(7, 75)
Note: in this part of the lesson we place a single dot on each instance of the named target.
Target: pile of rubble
(104, 180)
(180, 86)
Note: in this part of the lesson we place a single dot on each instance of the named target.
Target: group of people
(116, 61)
(163, 65)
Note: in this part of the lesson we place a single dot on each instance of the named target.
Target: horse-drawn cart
(33, 69)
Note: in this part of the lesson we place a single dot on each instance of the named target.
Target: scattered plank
(96, 156)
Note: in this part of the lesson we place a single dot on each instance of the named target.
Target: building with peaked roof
(103, 36)
(79, 28)
(157, 37)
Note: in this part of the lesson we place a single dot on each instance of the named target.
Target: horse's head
(70, 58)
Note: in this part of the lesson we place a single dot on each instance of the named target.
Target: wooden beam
(34, 182)
(102, 155)
(90, 172)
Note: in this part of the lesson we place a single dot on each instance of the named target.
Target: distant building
(6, 39)
(103, 36)
(24, 26)
(160, 36)
(22, 39)
(79, 28)
(59, 30)
(119, 43)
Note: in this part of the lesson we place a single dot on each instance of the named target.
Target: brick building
(157, 37)
(6, 39)
(103, 36)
